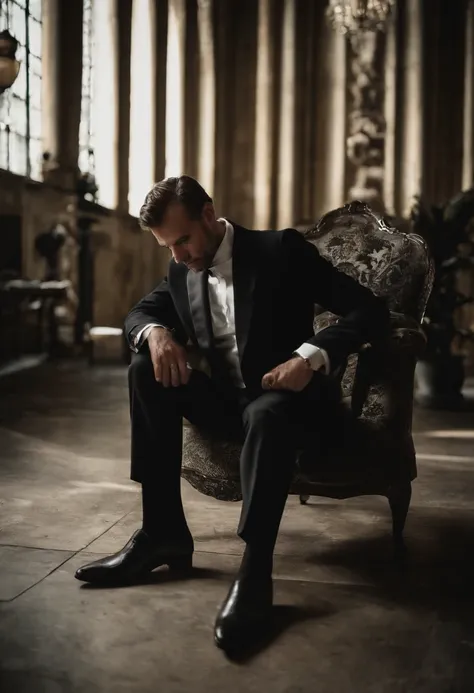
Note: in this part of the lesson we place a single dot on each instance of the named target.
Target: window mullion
(27, 68)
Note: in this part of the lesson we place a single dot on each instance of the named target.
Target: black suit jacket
(278, 277)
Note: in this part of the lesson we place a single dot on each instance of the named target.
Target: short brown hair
(182, 189)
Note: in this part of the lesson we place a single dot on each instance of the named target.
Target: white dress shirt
(221, 302)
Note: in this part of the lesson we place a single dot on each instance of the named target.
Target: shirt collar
(224, 251)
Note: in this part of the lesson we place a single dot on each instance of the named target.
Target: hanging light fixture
(9, 65)
(353, 16)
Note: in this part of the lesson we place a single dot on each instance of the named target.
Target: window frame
(10, 96)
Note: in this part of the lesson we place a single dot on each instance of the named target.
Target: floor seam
(73, 554)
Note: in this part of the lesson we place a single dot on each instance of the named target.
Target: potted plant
(448, 231)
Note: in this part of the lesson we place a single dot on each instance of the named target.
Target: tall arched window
(20, 106)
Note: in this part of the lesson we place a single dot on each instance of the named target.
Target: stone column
(175, 88)
(62, 71)
(207, 96)
(468, 149)
(265, 116)
(390, 114)
(142, 103)
(444, 29)
(161, 40)
(285, 212)
(410, 114)
(330, 115)
(124, 14)
(236, 59)
(191, 88)
(224, 35)
(105, 101)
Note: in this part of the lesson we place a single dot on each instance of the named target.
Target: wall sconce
(9, 65)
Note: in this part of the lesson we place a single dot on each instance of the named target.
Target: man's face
(191, 241)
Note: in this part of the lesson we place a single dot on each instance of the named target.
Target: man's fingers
(268, 380)
(157, 369)
(165, 374)
(171, 369)
(175, 375)
(183, 371)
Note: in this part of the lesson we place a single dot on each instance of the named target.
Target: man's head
(180, 215)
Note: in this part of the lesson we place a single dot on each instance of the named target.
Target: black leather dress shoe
(245, 614)
(138, 557)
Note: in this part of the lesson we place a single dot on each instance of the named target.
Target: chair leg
(304, 499)
(399, 497)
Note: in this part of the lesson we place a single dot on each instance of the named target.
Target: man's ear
(209, 213)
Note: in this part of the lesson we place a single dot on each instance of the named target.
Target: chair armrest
(405, 334)
(390, 365)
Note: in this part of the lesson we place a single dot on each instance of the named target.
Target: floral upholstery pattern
(376, 448)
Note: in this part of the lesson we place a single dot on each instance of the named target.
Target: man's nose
(179, 254)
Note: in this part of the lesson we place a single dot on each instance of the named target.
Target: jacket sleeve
(364, 317)
(156, 307)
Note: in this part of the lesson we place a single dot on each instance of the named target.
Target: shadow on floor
(437, 572)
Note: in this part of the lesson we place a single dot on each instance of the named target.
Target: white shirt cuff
(316, 356)
(142, 336)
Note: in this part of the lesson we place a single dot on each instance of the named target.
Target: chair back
(395, 265)
(391, 263)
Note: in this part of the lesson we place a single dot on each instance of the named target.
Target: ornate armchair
(375, 454)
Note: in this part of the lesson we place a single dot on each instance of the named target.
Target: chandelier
(353, 16)
(9, 65)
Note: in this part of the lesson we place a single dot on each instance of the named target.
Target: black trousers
(272, 426)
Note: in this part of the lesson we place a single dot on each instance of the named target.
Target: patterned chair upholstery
(374, 454)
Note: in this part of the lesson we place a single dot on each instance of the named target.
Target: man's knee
(264, 415)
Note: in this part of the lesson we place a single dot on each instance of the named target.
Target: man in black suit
(246, 300)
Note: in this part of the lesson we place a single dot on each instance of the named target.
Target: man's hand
(168, 357)
(293, 375)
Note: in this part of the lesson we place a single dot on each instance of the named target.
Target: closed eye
(181, 241)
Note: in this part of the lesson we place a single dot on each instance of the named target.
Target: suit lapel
(193, 294)
(244, 273)
(198, 295)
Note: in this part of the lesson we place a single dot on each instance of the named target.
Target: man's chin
(197, 266)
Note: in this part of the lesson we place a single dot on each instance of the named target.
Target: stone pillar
(241, 113)
(390, 114)
(410, 114)
(444, 29)
(207, 96)
(161, 40)
(175, 88)
(310, 23)
(191, 87)
(330, 115)
(142, 103)
(236, 60)
(62, 71)
(468, 149)
(50, 83)
(265, 116)
(124, 14)
(224, 30)
(285, 213)
(105, 101)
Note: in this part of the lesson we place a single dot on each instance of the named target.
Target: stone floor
(348, 619)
